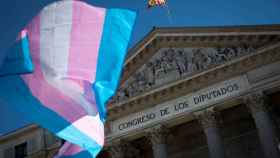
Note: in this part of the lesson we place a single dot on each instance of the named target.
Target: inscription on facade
(180, 106)
(149, 117)
(215, 93)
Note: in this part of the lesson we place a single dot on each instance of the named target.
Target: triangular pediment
(165, 57)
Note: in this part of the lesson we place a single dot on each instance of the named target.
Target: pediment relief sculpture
(171, 64)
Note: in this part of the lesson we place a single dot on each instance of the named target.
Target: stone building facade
(204, 92)
(29, 142)
(199, 93)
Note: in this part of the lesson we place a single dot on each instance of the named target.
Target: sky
(15, 14)
(198, 13)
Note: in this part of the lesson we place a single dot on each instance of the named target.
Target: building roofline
(198, 29)
(18, 132)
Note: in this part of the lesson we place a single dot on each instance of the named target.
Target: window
(21, 150)
(9, 153)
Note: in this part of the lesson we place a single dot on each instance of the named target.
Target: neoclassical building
(199, 92)
(29, 142)
(202, 92)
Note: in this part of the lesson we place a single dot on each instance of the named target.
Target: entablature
(210, 56)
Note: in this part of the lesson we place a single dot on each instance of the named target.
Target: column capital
(207, 118)
(209, 121)
(158, 134)
(117, 149)
(256, 102)
(131, 151)
(123, 148)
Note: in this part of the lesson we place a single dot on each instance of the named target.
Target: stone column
(131, 151)
(208, 120)
(116, 149)
(158, 139)
(257, 104)
(121, 149)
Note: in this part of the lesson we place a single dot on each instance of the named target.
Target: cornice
(196, 30)
(19, 133)
(218, 39)
(240, 66)
(196, 36)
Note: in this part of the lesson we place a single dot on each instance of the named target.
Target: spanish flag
(153, 3)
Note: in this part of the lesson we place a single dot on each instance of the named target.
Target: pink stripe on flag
(92, 127)
(48, 95)
(84, 47)
(21, 35)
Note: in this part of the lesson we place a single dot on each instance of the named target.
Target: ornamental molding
(256, 102)
(214, 33)
(158, 134)
(208, 118)
(121, 148)
(237, 67)
(171, 64)
(116, 149)
(236, 52)
(196, 37)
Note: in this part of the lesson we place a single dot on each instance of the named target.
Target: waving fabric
(77, 51)
(18, 60)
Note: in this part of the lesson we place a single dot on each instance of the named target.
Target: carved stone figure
(220, 56)
(167, 61)
(149, 73)
(180, 62)
(184, 61)
(198, 58)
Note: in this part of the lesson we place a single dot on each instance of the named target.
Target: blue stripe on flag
(73, 135)
(18, 60)
(17, 96)
(116, 34)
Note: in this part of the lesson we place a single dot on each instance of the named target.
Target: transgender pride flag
(77, 53)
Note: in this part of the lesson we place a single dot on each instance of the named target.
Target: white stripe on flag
(91, 126)
(56, 24)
